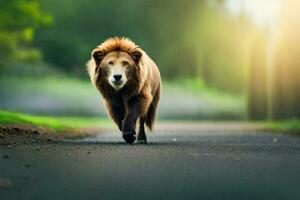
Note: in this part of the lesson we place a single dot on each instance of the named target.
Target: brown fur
(139, 97)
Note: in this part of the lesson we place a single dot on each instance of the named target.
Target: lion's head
(116, 62)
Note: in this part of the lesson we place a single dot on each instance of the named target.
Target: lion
(130, 84)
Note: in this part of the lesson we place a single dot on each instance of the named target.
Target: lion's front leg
(117, 113)
(136, 107)
(128, 127)
(142, 138)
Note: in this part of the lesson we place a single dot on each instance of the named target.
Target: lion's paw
(129, 137)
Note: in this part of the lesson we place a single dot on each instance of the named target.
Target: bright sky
(263, 12)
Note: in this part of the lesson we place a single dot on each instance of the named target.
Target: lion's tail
(151, 114)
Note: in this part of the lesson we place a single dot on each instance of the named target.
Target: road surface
(181, 161)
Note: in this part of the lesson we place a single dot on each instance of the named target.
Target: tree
(18, 19)
(258, 82)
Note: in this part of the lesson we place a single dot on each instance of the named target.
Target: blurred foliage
(18, 20)
(221, 43)
(197, 44)
(187, 39)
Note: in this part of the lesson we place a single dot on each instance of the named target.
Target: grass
(55, 123)
(292, 126)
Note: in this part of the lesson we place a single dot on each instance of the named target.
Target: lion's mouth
(117, 82)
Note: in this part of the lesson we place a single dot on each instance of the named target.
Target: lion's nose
(117, 77)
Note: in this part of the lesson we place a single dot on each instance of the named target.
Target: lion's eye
(110, 62)
(125, 63)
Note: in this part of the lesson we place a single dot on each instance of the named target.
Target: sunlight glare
(264, 13)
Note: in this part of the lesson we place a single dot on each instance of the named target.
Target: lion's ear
(98, 55)
(136, 55)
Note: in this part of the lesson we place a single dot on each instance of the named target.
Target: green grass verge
(56, 123)
(292, 126)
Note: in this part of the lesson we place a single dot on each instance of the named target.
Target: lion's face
(117, 68)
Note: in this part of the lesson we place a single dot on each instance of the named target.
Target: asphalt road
(180, 162)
